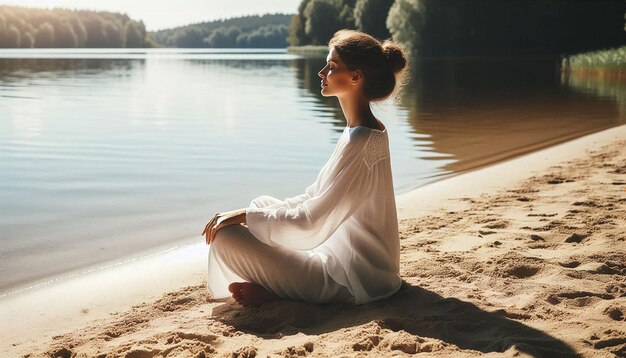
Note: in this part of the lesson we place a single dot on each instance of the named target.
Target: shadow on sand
(413, 309)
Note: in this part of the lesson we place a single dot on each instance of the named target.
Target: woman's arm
(236, 216)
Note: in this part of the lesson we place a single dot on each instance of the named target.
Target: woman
(338, 241)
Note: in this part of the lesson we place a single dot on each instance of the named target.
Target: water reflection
(477, 112)
(308, 79)
(484, 111)
(14, 69)
(609, 84)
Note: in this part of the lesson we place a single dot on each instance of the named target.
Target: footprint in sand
(585, 203)
(612, 268)
(578, 298)
(609, 339)
(570, 264)
(615, 313)
(559, 180)
(575, 238)
(536, 237)
(499, 224)
(517, 266)
(522, 271)
(543, 215)
(619, 170)
(295, 351)
(63, 353)
(245, 352)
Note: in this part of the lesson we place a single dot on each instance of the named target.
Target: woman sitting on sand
(338, 241)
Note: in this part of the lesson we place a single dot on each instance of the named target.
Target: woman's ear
(357, 76)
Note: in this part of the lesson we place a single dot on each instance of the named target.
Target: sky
(160, 14)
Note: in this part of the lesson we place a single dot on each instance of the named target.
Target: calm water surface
(109, 153)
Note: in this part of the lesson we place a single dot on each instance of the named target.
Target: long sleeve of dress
(270, 202)
(295, 200)
(305, 221)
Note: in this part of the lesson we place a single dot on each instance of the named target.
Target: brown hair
(383, 63)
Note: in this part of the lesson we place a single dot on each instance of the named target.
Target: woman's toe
(235, 287)
(239, 298)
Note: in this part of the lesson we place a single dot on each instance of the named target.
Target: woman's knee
(231, 238)
(222, 238)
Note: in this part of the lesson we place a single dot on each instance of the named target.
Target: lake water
(111, 153)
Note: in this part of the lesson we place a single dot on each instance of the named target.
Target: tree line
(468, 27)
(426, 27)
(265, 31)
(22, 27)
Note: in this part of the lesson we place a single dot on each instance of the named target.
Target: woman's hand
(221, 220)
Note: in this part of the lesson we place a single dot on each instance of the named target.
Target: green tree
(151, 42)
(189, 37)
(28, 41)
(236, 32)
(9, 18)
(370, 16)
(297, 33)
(13, 37)
(115, 36)
(135, 34)
(28, 27)
(405, 22)
(3, 33)
(346, 16)
(79, 30)
(94, 27)
(270, 36)
(321, 21)
(65, 36)
(44, 37)
(243, 40)
(218, 39)
(224, 37)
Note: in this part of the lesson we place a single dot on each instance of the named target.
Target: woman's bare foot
(250, 294)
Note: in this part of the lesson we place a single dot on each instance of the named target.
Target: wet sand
(522, 258)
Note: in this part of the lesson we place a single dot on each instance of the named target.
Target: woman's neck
(358, 112)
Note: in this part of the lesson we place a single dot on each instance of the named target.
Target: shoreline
(490, 175)
(44, 281)
(29, 320)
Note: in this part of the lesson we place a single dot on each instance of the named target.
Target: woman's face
(336, 77)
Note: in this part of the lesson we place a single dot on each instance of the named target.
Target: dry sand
(526, 258)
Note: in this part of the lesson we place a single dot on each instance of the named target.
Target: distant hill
(269, 30)
(23, 27)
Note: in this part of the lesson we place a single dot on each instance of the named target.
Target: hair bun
(394, 56)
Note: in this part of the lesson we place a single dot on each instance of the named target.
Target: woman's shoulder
(359, 132)
(372, 145)
(358, 137)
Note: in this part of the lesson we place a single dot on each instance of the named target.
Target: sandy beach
(524, 258)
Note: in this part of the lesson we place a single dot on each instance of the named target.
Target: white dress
(346, 219)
